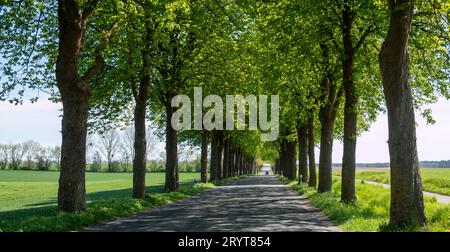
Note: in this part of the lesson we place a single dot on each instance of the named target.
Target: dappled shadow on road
(259, 203)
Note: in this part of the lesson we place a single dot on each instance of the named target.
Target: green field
(31, 189)
(28, 199)
(435, 180)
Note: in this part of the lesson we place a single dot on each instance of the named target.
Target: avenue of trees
(335, 65)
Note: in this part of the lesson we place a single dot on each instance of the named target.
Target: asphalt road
(253, 204)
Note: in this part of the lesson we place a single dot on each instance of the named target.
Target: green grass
(435, 180)
(28, 199)
(371, 211)
(31, 189)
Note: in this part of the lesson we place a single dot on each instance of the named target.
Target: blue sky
(42, 122)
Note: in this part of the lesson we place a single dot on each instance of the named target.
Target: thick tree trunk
(327, 119)
(290, 155)
(325, 158)
(204, 157)
(350, 110)
(75, 95)
(214, 156)
(327, 114)
(72, 190)
(140, 148)
(311, 156)
(302, 134)
(172, 184)
(406, 185)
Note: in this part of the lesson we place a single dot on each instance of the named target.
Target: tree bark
(226, 158)
(302, 134)
(219, 154)
(140, 147)
(214, 156)
(204, 157)
(406, 185)
(232, 160)
(141, 96)
(283, 163)
(291, 156)
(311, 155)
(236, 161)
(327, 119)
(72, 191)
(327, 114)
(75, 95)
(171, 184)
(350, 110)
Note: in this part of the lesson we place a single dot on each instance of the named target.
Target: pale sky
(41, 122)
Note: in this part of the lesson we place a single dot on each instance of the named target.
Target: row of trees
(29, 155)
(336, 61)
(334, 65)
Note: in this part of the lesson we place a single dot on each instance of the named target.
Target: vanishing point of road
(252, 204)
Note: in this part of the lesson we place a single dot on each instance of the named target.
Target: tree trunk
(140, 148)
(75, 95)
(219, 154)
(204, 157)
(141, 96)
(406, 185)
(232, 160)
(291, 166)
(331, 95)
(226, 158)
(214, 155)
(172, 184)
(237, 161)
(72, 190)
(327, 119)
(302, 134)
(350, 111)
(311, 156)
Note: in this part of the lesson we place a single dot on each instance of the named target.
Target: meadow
(435, 180)
(31, 189)
(28, 198)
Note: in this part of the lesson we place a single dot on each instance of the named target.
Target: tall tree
(406, 184)
(311, 155)
(75, 91)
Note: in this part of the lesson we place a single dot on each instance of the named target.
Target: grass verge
(371, 211)
(433, 180)
(50, 219)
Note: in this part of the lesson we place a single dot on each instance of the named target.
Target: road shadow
(254, 204)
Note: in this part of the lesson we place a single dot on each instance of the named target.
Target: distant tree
(96, 162)
(56, 156)
(4, 156)
(44, 158)
(109, 146)
(31, 150)
(151, 144)
(16, 154)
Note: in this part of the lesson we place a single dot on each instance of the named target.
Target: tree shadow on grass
(49, 207)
